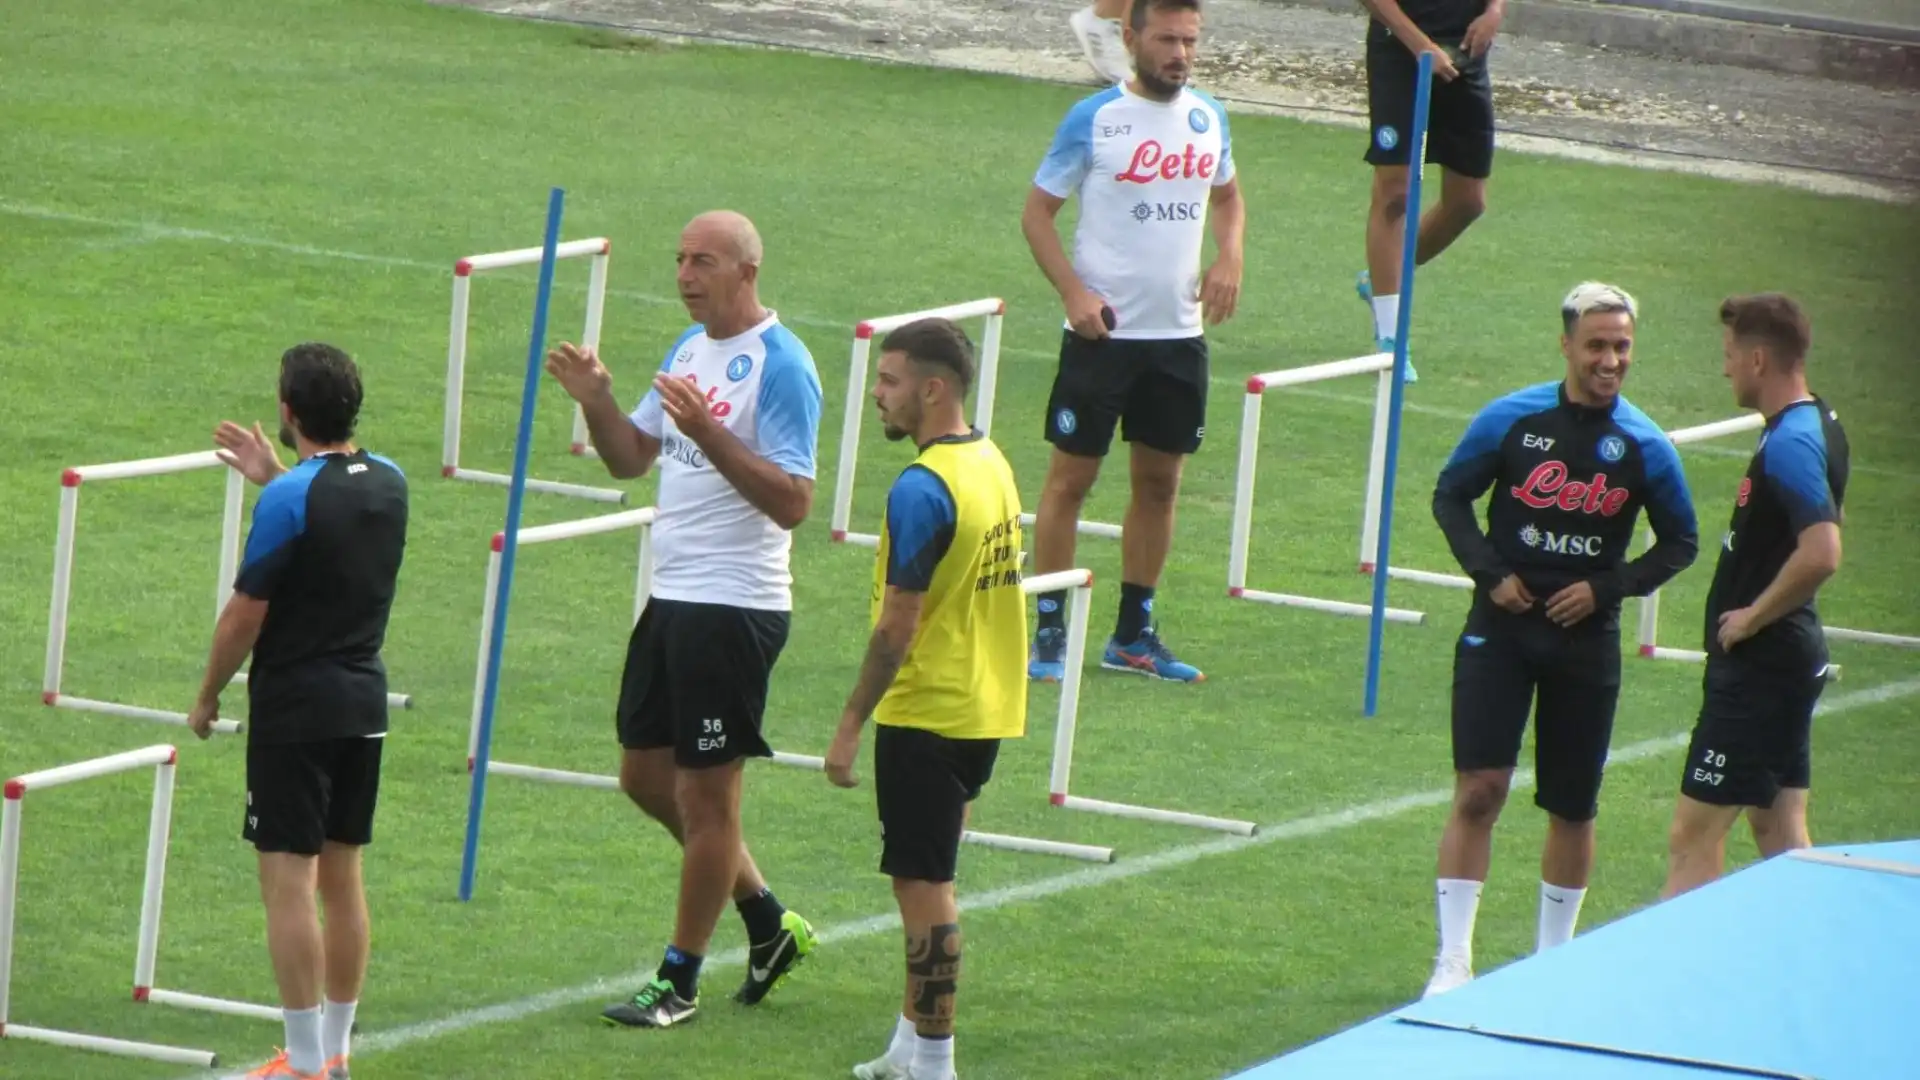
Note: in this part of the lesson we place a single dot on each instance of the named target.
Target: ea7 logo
(1536, 442)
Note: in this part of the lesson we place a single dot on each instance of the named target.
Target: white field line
(617, 986)
(146, 232)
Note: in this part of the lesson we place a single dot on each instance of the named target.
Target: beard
(894, 434)
(1155, 86)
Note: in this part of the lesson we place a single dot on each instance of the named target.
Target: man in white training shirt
(1152, 162)
(733, 421)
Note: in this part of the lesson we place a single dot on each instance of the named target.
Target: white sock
(1559, 910)
(932, 1058)
(336, 1027)
(900, 1052)
(303, 1040)
(1459, 903)
(1386, 316)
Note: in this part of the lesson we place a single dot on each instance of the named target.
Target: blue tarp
(1788, 968)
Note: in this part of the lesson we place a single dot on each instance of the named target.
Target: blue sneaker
(1385, 345)
(1148, 655)
(1047, 662)
(1363, 284)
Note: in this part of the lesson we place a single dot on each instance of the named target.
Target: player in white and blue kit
(1152, 162)
(732, 421)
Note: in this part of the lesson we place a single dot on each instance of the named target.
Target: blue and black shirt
(324, 552)
(1796, 479)
(1569, 482)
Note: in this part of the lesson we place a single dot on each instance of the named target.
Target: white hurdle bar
(1649, 630)
(58, 611)
(1079, 602)
(640, 519)
(1379, 364)
(162, 758)
(599, 249)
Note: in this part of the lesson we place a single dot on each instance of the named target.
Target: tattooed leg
(932, 923)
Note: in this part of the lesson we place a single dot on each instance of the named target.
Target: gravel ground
(1838, 138)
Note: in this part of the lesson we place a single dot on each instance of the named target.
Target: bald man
(732, 421)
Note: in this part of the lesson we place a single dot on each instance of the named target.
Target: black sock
(682, 970)
(1053, 610)
(761, 912)
(1136, 611)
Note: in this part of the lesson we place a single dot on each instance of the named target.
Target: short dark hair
(1773, 321)
(321, 387)
(937, 343)
(1137, 18)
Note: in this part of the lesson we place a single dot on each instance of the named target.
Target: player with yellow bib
(945, 672)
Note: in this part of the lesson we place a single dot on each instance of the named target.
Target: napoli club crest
(1385, 137)
(1613, 448)
(1198, 121)
(739, 367)
(1064, 421)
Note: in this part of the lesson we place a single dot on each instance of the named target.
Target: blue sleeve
(1224, 171)
(920, 523)
(788, 411)
(1669, 502)
(1795, 460)
(278, 520)
(647, 415)
(1475, 461)
(1070, 157)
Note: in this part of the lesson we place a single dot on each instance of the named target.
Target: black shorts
(696, 680)
(1754, 735)
(922, 783)
(1506, 666)
(301, 794)
(1459, 113)
(1155, 390)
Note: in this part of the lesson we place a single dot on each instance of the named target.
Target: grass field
(188, 188)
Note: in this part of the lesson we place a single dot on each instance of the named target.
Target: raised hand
(250, 453)
(579, 371)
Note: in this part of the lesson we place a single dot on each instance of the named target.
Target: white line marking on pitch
(151, 232)
(1298, 829)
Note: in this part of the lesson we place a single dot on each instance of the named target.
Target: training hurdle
(642, 520)
(1377, 364)
(1079, 601)
(992, 311)
(63, 559)
(162, 758)
(598, 249)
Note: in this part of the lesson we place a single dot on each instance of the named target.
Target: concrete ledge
(1737, 38)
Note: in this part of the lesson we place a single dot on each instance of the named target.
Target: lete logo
(1547, 486)
(1151, 162)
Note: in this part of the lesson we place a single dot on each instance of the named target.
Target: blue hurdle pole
(477, 795)
(1416, 160)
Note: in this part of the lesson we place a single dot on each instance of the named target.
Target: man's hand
(579, 372)
(202, 716)
(1084, 315)
(841, 755)
(690, 409)
(250, 453)
(1512, 595)
(1736, 626)
(1220, 289)
(1480, 32)
(1571, 604)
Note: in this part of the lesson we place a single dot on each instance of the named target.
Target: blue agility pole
(1416, 161)
(477, 795)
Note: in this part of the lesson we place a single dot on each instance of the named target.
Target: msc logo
(739, 367)
(1613, 448)
(1536, 442)
(1197, 120)
(1559, 543)
(1064, 422)
(1385, 137)
(1168, 211)
(678, 448)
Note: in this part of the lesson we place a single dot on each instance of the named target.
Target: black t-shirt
(1442, 20)
(1568, 483)
(324, 552)
(1797, 478)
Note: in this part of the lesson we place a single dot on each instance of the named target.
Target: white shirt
(710, 545)
(1144, 171)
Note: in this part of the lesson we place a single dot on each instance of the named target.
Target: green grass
(180, 188)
